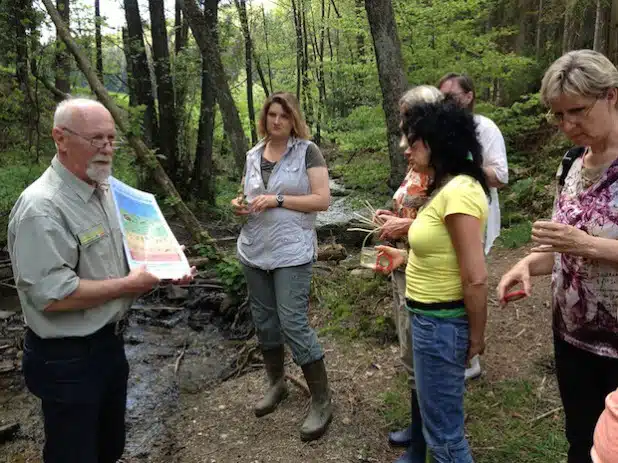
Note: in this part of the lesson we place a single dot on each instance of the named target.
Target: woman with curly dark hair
(446, 278)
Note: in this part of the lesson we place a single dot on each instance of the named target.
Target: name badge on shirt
(91, 235)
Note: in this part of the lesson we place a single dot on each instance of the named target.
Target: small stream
(338, 213)
(166, 362)
(332, 225)
(171, 350)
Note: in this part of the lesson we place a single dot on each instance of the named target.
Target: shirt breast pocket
(293, 183)
(95, 258)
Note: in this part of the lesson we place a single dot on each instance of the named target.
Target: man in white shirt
(495, 165)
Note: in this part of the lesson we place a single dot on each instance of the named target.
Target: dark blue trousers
(82, 383)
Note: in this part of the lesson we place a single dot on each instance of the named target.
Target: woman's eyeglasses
(573, 115)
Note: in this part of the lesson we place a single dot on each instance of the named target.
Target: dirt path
(218, 425)
(189, 418)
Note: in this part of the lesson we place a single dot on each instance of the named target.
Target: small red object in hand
(384, 262)
(514, 296)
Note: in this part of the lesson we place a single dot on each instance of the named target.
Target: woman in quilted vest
(285, 184)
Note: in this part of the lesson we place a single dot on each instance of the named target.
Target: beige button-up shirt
(62, 230)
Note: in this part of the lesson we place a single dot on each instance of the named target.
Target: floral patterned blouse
(411, 194)
(585, 292)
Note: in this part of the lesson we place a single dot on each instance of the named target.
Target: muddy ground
(179, 410)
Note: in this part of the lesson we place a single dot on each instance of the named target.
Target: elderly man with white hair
(75, 288)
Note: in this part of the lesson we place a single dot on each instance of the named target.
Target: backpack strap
(568, 160)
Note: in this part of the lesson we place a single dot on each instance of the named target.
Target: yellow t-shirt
(432, 273)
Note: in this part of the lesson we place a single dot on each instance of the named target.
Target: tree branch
(59, 94)
(144, 155)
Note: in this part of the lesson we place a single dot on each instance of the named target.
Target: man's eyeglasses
(97, 142)
(573, 114)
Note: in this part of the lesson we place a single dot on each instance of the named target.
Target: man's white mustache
(101, 158)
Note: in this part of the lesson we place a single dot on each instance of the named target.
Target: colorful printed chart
(148, 239)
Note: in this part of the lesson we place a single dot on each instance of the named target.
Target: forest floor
(513, 409)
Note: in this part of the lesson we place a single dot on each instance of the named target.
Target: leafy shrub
(358, 307)
(516, 236)
(519, 123)
(368, 173)
(362, 130)
(230, 272)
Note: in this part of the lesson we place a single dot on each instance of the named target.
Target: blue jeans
(440, 347)
(279, 302)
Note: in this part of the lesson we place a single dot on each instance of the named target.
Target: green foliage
(519, 123)
(22, 159)
(452, 36)
(498, 421)
(229, 271)
(502, 428)
(357, 305)
(17, 171)
(532, 182)
(228, 268)
(516, 235)
(368, 173)
(359, 130)
(396, 403)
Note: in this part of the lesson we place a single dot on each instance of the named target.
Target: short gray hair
(584, 73)
(66, 109)
(420, 94)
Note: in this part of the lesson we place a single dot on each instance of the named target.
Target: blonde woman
(286, 184)
(578, 246)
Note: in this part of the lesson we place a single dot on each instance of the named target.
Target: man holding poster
(75, 287)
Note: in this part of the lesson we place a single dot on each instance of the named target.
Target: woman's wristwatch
(279, 199)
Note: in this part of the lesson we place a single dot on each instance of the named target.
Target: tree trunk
(98, 39)
(612, 45)
(539, 30)
(270, 72)
(258, 68)
(360, 36)
(130, 74)
(241, 6)
(392, 78)
(165, 88)
(600, 27)
(141, 72)
(203, 180)
(307, 96)
(567, 32)
(63, 60)
(34, 70)
(524, 23)
(318, 45)
(204, 30)
(181, 28)
(20, 15)
(299, 48)
(330, 51)
(144, 155)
